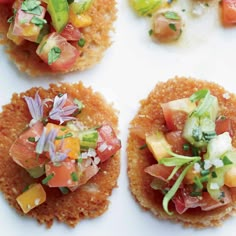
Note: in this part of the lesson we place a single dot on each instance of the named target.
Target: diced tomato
(67, 56)
(176, 112)
(7, 1)
(23, 150)
(178, 200)
(108, 143)
(177, 142)
(62, 174)
(23, 27)
(71, 33)
(228, 12)
(208, 203)
(224, 125)
(159, 171)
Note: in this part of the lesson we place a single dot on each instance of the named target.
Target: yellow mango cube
(31, 198)
(80, 21)
(230, 177)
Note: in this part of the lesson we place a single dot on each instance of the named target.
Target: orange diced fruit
(31, 198)
(16, 39)
(80, 21)
(230, 177)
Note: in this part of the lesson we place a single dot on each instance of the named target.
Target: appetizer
(56, 36)
(181, 152)
(59, 153)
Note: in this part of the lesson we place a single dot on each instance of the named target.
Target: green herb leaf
(199, 95)
(49, 177)
(186, 147)
(64, 136)
(213, 174)
(171, 15)
(38, 21)
(205, 172)
(150, 32)
(53, 55)
(172, 26)
(79, 104)
(226, 161)
(81, 42)
(32, 7)
(74, 177)
(31, 139)
(144, 146)
(64, 190)
(169, 195)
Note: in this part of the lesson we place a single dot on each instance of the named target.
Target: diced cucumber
(59, 12)
(218, 146)
(88, 139)
(81, 6)
(37, 171)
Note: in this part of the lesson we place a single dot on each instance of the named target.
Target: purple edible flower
(60, 112)
(35, 107)
(57, 156)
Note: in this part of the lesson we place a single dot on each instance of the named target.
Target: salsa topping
(196, 161)
(56, 148)
(55, 25)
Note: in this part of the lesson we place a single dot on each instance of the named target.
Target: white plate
(127, 73)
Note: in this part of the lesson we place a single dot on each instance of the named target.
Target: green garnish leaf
(195, 194)
(169, 195)
(79, 104)
(80, 160)
(213, 174)
(32, 7)
(64, 190)
(226, 161)
(38, 21)
(200, 94)
(198, 183)
(81, 42)
(150, 32)
(144, 146)
(172, 26)
(53, 55)
(186, 147)
(32, 139)
(48, 178)
(171, 15)
(204, 172)
(74, 177)
(174, 171)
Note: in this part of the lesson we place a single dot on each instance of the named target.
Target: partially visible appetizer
(181, 152)
(50, 37)
(59, 153)
(228, 12)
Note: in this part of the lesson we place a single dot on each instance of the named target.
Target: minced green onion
(64, 190)
(213, 174)
(195, 151)
(204, 178)
(81, 42)
(144, 146)
(198, 183)
(74, 177)
(169, 195)
(205, 172)
(172, 26)
(31, 139)
(88, 139)
(226, 161)
(195, 194)
(48, 178)
(186, 147)
(64, 136)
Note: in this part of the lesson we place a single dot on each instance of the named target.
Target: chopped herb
(63, 128)
(64, 190)
(172, 26)
(186, 147)
(81, 42)
(213, 174)
(53, 55)
(227, 161)
(197, 134)
(204, 178)
(60, 95)
(26, 188)
(183, 10)
(198, 183)
(64, 136)
(171, 15)
(199, 95)
(206, 4)
(38, 21)
(80, 160)
(32, 7)
(48, 178)
(150, 32)
(205, 172)
(195, 151)
(144, 146)
(208, 136)
(196, 194)
(79, 104)
(74, 177)
(31, 139)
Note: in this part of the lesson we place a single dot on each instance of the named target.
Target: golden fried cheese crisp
(149, 192)
(95, 36)
(89, 200)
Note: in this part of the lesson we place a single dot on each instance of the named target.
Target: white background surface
(129, 70)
